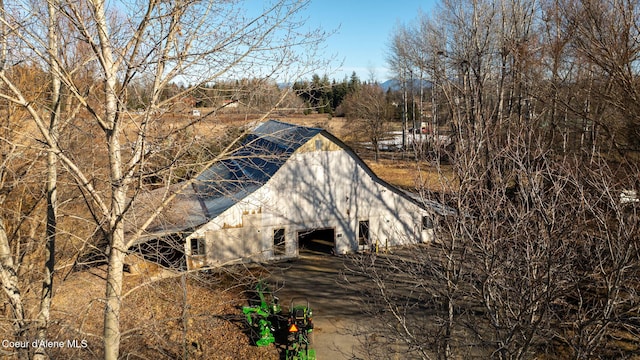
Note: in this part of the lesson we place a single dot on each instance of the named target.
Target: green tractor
(263, 317)
(300, 331)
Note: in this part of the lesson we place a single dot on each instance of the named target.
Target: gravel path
(315, 276)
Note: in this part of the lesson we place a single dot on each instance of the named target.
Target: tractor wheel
(311, 354)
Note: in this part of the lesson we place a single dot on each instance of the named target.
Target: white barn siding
(320, 186)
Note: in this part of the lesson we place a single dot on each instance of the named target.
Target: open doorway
(166, 251)
(318, 241)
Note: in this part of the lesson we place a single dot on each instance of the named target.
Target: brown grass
(413, 175)
(162, 319)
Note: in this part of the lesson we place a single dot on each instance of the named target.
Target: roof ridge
(291, 125)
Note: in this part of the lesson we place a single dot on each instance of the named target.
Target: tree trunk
(49, 267)
(52, 197)
(117, 244)
(114, 290)
(117, 252)
(9, 280)
(117, 248)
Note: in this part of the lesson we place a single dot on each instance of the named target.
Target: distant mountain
(396, 85)
(392, 84)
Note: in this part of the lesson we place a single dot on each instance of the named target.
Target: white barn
(283, 183)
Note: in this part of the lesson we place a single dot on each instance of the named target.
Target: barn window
(427, 223)
(363, 232)
(279, 242)
(197, 246)
(318, 144)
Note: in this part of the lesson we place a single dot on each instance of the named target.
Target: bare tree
(545, 238)
(371, 110)
(51, 185)
(13, 172)
(605, 37)
(544, 267)
(189, 42)
(21, 188)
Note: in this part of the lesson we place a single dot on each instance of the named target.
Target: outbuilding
(284, 186)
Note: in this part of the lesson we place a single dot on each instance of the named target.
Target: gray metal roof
(261, 153)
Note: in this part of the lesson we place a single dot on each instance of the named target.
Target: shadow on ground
(315, 276)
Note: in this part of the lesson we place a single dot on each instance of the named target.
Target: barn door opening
(318, 241)
(279, 242)
(166, 251)
(363, 233)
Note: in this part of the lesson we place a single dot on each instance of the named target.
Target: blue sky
(364, 31)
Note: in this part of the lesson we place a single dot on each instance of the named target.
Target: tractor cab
(300, 316)
(300, 330)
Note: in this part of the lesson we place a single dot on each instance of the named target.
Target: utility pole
(404, 112)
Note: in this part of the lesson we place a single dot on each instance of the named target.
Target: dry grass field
(165, 316)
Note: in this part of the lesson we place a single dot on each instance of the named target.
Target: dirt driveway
(315, 276)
